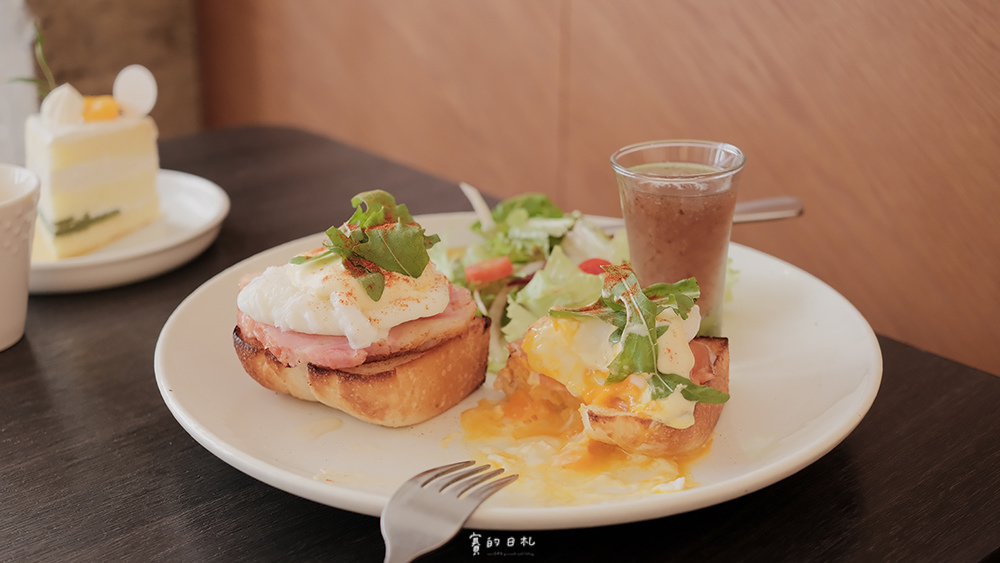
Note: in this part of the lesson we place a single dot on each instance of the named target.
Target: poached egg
(322, 297)
(576, 352)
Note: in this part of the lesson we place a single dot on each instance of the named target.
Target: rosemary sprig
(45, 86)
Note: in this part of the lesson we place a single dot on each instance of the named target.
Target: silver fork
(430, 508)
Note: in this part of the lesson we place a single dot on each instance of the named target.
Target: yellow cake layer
(89, 170)
(96, 141)
(98, 234)
(125, 192)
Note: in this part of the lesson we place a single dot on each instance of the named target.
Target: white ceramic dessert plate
(805, 369)
(192, 211)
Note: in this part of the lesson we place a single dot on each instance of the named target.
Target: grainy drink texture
(678, 199)
(681, 236)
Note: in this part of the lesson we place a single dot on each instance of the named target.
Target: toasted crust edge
(630, 432)
(646, 436)
(398, 391)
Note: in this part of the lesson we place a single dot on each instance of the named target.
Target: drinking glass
(677, 198)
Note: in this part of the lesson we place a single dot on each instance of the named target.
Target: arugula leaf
(370, 278)
(639, 330)
(380, 207)
(598, 310)
(337, 244)
(664, 384)
(636, 357)
(388, 246)
(679, 296)
(633, 312)
(380, 236)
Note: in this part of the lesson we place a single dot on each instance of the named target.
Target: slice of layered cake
(97, 159)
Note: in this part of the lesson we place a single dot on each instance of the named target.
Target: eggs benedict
(626, 371)
(366, 323)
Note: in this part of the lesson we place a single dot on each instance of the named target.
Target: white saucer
(192, 212)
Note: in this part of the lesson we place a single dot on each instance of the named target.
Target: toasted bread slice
(626, 430)
(397, 391)
(645, 436)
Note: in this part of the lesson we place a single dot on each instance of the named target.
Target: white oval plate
(805, 369)
(192, 209)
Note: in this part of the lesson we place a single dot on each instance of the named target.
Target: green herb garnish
(72, 225)
(379, 236)
(43, 86)
(632, 311)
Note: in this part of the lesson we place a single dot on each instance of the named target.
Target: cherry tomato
(489, 270)
(593, 265)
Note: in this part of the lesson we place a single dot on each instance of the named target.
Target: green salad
(531, 256)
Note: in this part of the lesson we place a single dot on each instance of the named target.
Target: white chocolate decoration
(62, 107)
(135, 91)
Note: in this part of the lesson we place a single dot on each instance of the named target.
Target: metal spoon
(751, 211)
(767, 209)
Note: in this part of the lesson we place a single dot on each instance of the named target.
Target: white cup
(18, 205)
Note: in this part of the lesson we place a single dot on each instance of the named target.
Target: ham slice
(335, 352)
(704, 360)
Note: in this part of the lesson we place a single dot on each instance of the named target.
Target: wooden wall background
(882, 115)
(88, 42)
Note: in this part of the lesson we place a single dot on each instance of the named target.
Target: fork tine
(421, 516)
(432, 474)
(460, 476)
(486, 491)
(473, 481)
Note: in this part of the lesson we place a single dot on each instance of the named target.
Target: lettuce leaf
(523, 228)
(560, 283)
(586, 240)
(534, 204)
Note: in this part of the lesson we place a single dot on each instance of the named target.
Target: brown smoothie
(678, 232)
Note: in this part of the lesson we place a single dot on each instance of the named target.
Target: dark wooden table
(93, 466)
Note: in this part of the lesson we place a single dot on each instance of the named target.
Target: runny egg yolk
(576, 353)
(520, 415)
(536, 429)
(558, 464)
(623, 396)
